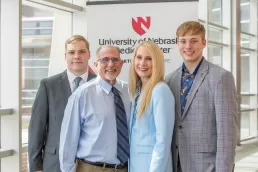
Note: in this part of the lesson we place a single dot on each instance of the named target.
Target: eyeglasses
(106, 60)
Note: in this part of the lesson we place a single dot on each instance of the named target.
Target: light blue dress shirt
(89, 125)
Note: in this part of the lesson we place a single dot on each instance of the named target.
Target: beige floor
(247, 157)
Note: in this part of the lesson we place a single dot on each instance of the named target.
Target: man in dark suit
(48, 108)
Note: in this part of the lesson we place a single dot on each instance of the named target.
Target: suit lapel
(202, 72)
(65, 86)
(178, 90)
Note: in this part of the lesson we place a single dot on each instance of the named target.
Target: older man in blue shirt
(94, 131)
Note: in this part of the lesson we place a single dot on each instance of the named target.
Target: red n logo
(137, 24)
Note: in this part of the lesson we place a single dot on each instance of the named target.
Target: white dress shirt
(71, 78)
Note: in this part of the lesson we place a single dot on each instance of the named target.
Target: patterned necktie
(122, 129)
(76, 82)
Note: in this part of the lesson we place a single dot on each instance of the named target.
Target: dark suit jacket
(45, 124)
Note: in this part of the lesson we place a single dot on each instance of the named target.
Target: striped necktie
(122, 129)
(76, 82)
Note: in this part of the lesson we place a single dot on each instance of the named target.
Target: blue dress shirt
(186, 83)
(89, 125)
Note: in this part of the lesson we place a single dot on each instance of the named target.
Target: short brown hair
(77, 38)
(191, 28)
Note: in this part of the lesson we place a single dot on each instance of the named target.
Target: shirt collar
(184, 69)
(107, 87)
(71, 76)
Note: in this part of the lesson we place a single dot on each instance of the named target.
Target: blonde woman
(152, 113)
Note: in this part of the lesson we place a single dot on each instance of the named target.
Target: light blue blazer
(151, 134)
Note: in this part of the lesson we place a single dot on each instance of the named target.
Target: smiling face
(191, 42)
(77, 56)
(191, 48)
(108, 64)
(143, 64)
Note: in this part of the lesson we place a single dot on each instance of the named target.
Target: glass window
(215, 11)
(215, 55)
(245, 102)
(40, 28)
(245, 42)
(245, 15)
(35, 59)
(214, 34)
(245, 125)
(37, 27)
(245, 74)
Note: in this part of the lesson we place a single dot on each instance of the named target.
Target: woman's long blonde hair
(156, 76)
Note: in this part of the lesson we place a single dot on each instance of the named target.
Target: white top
(71, 78)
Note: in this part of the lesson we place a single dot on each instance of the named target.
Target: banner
(126, 25)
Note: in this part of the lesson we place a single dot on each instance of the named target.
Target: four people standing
(100, 121)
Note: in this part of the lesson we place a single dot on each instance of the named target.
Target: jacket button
(176, 147)
(180, 127)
